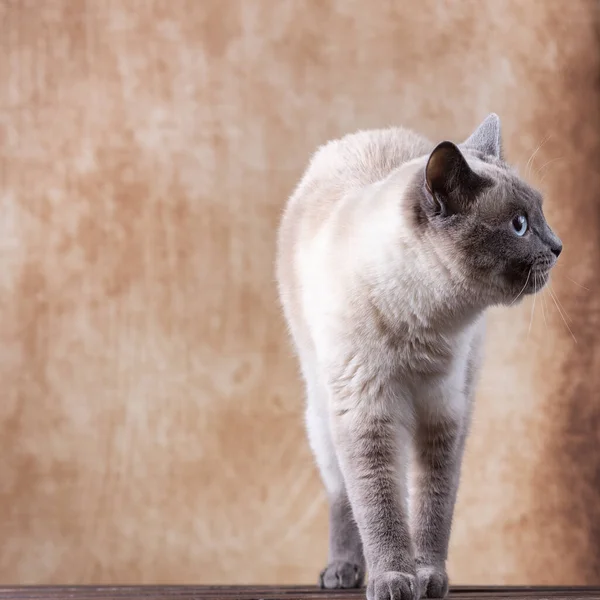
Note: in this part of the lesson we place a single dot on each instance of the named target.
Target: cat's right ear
(487, 137)
(449, 180)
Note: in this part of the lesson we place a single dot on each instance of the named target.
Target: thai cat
(390, 251)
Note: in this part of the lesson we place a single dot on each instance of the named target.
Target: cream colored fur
(388, 324)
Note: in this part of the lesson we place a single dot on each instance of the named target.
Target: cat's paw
(393, 585)
(341, 575)
(433, 581)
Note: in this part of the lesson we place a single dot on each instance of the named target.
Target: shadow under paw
(341, 575)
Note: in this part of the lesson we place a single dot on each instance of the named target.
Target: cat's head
(485, 218)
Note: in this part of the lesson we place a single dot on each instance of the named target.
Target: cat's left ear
(451, 185)
(487, 137)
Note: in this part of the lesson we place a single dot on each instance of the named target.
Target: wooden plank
(274, 593)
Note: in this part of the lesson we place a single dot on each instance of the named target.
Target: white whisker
(522, 289)
(544, 307)
(548, 163)
(531, 158)
(579, 284)
(546, 173)
(559, 267)
(561, 315)
(533, 305)
(559, 302)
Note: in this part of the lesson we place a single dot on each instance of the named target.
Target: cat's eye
(519, 224)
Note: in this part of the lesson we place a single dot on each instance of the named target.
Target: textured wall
(150, 414)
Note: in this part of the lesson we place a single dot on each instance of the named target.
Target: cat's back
(338, 169)
(353, 162)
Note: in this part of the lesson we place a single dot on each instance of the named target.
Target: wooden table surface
(274, 593)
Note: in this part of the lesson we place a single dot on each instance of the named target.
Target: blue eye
(519, 224)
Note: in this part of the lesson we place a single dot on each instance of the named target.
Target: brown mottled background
(150, 413)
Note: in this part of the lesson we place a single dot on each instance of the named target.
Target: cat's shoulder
(367, 154)
(366, 140)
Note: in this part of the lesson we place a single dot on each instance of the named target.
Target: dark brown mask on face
(479, 210)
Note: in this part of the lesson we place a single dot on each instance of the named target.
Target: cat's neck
(390, 257)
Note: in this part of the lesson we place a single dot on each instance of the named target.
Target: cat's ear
(449, 180)
(487, 137)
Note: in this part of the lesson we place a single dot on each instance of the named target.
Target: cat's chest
(422, 352)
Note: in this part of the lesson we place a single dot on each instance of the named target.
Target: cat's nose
(556, 248)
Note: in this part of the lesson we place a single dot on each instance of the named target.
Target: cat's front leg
(439, 445)
(372, 458)
(346, 564)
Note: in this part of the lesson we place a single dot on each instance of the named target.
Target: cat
(390, 250)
